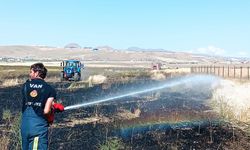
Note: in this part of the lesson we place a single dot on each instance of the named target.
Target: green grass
(112, 144)
(12, 138)
(6, 115)
(16, 132)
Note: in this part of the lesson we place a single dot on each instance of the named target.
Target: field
(184, 115)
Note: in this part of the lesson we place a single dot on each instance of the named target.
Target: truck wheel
(76, 77)
(61, 76)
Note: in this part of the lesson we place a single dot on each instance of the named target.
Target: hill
(107, 55)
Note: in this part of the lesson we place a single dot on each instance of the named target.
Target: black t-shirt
(35, 94)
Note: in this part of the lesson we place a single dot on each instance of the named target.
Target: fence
(239, 72)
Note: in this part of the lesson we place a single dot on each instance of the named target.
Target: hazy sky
(219, 27)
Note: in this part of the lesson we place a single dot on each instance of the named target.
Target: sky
(215, 27)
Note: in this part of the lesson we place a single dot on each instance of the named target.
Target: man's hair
(40, 68)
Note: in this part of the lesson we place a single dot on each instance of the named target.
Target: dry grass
(124, 114)
(11, 82)
(165, 73)
(4, 142)
(77, 85)
(73, 121)
(15, 75)
(96, 79)
(232, 100)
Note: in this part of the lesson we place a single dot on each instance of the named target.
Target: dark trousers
(34, 131)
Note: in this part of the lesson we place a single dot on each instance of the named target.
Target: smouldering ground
(180, 117)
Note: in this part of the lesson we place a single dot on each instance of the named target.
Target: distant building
(95, 49)
(72, 46)
(86, 47)
(156, 66)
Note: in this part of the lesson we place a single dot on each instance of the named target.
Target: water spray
(184, 80)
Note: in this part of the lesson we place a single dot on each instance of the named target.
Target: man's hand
(58, 107)
(50, 116)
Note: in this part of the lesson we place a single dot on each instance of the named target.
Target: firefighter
(38, 102)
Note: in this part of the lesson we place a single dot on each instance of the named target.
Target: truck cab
(71, 70)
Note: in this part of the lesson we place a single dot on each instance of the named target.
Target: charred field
(176, 117)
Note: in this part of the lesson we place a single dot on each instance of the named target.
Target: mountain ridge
(107, 54)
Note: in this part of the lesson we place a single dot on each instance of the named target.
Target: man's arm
(48, 105)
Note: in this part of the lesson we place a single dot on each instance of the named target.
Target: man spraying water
(38, 109)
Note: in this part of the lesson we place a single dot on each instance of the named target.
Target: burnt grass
(169, 119)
